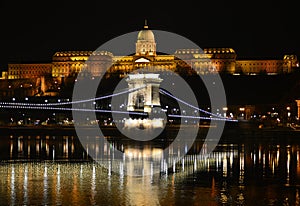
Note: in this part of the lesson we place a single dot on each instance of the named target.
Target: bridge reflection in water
(56, 170)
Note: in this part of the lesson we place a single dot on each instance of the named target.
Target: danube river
(246, 168)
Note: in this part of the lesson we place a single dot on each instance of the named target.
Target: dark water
(247, 169)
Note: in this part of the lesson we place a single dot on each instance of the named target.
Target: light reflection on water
(56, 170)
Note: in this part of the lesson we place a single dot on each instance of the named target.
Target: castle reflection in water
(68, 148)
(235, 172)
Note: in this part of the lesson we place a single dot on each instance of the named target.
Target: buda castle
(66, 64)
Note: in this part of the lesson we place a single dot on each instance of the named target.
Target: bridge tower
(146, 98)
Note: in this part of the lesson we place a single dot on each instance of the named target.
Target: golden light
(242, 109)
(79, 58)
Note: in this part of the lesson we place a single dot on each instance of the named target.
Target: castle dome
(145, 44)
(146, 34)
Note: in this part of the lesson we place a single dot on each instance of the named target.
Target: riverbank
(241, 128)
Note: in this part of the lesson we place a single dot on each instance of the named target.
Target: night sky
(32, 31)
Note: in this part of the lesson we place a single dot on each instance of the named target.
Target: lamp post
(225, 111)
(288, 109)
(242, 110)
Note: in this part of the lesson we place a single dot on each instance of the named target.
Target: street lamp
(288, 114)
(242, 110)
(225, 111)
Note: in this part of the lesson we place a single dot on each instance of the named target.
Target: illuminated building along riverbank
(43, 79)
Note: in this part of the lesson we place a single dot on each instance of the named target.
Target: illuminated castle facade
(209, 60)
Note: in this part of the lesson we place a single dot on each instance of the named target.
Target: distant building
(29, 71)
(70, 63)
(267, 66)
